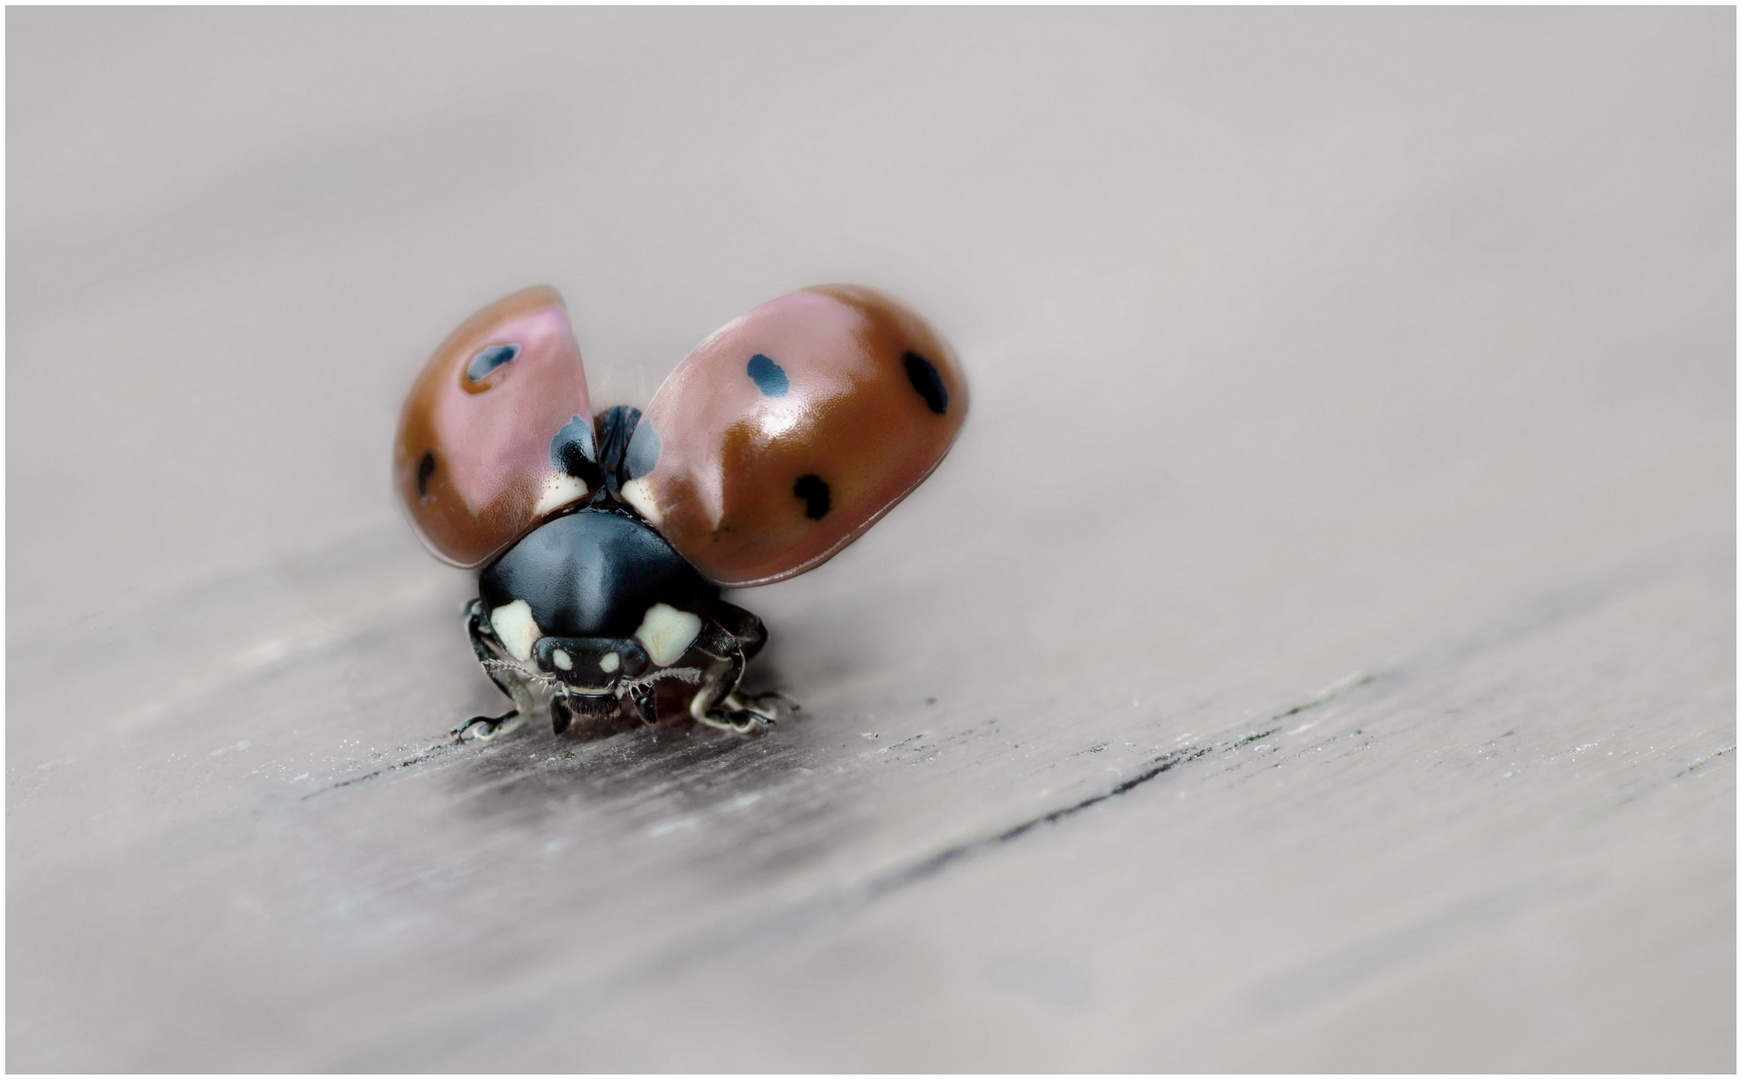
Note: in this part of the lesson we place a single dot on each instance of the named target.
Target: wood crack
(938, 860)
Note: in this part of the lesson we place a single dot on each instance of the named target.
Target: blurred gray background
(1318, 652)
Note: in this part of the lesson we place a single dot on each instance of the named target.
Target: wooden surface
(1317, 654)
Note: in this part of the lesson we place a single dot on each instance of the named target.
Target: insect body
(603, 541)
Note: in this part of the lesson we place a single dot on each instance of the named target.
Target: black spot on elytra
(927, 381)
(572, 451)
(489, 360)
(768, 376)
(425, 470)
(642, 453)
(815, 493)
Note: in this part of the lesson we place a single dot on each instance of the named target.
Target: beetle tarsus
(485, 728)
(737, 722)
(769, 703)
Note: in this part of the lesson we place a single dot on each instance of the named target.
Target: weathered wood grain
(1318, 654)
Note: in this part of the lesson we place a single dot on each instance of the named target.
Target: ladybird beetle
(603, 541)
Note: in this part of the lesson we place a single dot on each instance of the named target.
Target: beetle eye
(489, 360)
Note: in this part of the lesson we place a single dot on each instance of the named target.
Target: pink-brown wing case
(791, 430)
(497, 432)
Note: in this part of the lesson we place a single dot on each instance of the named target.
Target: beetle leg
(721, 644)
(744, 626)
(752, 635)
(642, 697)
(763, 706)
(719, 688)
(491, 656)
(485, 728)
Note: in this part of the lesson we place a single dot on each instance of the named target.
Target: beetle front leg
(751, 635)
(493, 658)
(645, 702)
(716, 685)
(719, 688)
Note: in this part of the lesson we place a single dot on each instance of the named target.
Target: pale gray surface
(1362, 381)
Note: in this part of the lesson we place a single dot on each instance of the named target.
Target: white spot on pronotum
(561, 659)
(639, 494)
(667, 632)
(559, 491)
(515, 628)
(608, 662)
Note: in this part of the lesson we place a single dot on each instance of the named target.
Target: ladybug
(603, 541)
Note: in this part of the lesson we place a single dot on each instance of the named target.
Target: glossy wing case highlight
(497, 432)
(793, 429)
